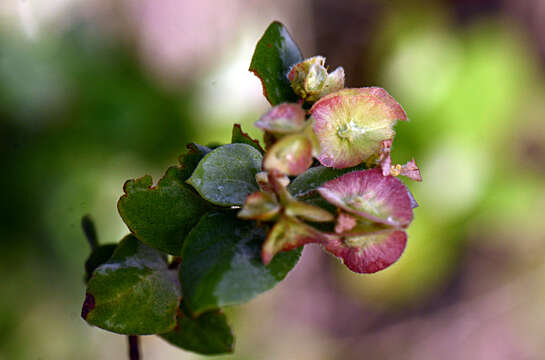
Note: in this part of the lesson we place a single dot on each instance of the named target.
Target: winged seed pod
(350, 124)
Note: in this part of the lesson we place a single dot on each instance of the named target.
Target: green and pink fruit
(351, 124)
(307, 212)
(259, 206)
(291, 155)
(369, 194)
(283, 119)
(287, 234)
(368, 253)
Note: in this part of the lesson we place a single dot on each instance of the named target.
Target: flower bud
(310, 80)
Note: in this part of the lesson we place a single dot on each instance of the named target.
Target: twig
(89, 230)
(134, 347)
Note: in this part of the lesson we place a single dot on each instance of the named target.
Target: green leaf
(240, 137)
(161, 216)
(274, 54)
(315, 177)
(134, 292)
(226, 175)
(98, 257)
(208, 334)
(191, 158)
(221, 263)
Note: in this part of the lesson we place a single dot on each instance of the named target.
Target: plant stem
(134, 347)
(89, 229)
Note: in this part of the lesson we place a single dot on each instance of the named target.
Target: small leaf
(133, 292)
(283, 119)
(161, 216)
(240, 137)
(291, 155)
(98, 257)
(287, 234)
(191, 158)
(226, 175)
(207, 334)
(259, 206)
(315, 177)
(368, 253)
(371, 195)
(351, 124)
(221, 263)
(274, 54)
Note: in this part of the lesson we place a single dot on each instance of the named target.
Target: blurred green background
(96, 92)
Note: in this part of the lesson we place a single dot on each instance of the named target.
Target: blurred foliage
(78, 116)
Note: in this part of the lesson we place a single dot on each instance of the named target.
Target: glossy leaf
(226, 175)
(368, 253)
(98, 257)
(291, 155)
(191, 158)
(287, 234)
(315, 177)
(351, 124)
(240, 137)
(221, 263)
(274, 55)
(371, 195)
(161, 216)
(283, 119)
(134, 292)
(207, 334)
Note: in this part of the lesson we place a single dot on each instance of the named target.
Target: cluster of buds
(359, 216)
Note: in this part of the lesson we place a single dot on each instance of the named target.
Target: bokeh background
(95, 92)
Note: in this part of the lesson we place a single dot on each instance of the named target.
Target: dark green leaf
(241, 137)
(221, 263)
(316, 176)
(191, 158)
(98, 257)
(161, 216)
(208, 334)
(274, 54)
(226, 175)
(133, 292)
